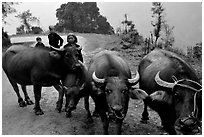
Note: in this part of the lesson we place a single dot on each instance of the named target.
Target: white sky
(185, 16)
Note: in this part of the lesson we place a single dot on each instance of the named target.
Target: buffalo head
(73, 96)
(68, 55)
(116, 90)
(185, 98)
(74, 87)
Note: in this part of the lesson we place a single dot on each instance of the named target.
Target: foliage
(26, 17)
(82, 17)
(197, 50)
(20, 30)
(5, 39)
(167, 38)
(36, 30)
(130, 36)
(7, 9)
(127, 24)
(131, 39)
(158, 11)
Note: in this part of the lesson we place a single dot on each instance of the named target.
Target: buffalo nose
(117, 108)
(187, 121)
(76, 66)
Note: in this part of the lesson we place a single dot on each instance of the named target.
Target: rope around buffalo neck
(176, 81)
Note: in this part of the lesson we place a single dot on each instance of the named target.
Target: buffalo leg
(86, 104)
(15, 87)
(145, 113)
(105, 122)
(27, 98)
(60, 97)
(168, 121)
(118, 127)
(170, 129)
(68, 111)
(37, 94)
(95, 113)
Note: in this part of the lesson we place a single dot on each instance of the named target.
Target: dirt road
(23, 121)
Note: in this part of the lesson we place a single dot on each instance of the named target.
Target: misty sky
(186, 17)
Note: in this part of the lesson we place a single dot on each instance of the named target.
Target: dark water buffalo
(173, 89)
(38, 67)
(74, 90)
(110, 84)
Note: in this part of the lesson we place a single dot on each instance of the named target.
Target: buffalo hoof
(90, 119)
(22, 103)
(95, 114)
(68, 114)
(63, 110)
(29, 102)
(169, 130)
(105, 133)
(58, 109)
(143, 121)
(38, 112)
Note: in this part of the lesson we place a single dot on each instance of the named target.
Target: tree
(36, 30)
(126, 24)
(167, 38)
(20, 30)
(5, 39)
(59, 27)
(158, 11)
(26, 17)
(82, 17)
(7, 9)
(69, 16)
(197, 50)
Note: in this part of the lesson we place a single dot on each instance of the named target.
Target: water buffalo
(73, 84)
(171, 88)
(38, 67)
(110, 84)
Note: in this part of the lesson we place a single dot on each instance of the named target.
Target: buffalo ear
(54, 54)
(138, 94)
(158, 95)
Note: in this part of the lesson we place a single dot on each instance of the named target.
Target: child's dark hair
(72, 34)
(38, 38)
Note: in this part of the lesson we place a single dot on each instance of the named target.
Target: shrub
(5, 40)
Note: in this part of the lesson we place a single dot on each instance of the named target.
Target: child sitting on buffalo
(72, 42)
(39, 43)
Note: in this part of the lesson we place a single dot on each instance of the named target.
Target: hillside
(133, 55)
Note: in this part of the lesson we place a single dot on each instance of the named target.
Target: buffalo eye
(108, 91)
(125, 91)
(68, 55)
(177, 97)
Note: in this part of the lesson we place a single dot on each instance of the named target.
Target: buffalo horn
(82, 87)
(162, 82)
(98, 80)
(135, 79)
(79, 48)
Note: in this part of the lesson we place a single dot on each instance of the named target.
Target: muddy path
(23, 121)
